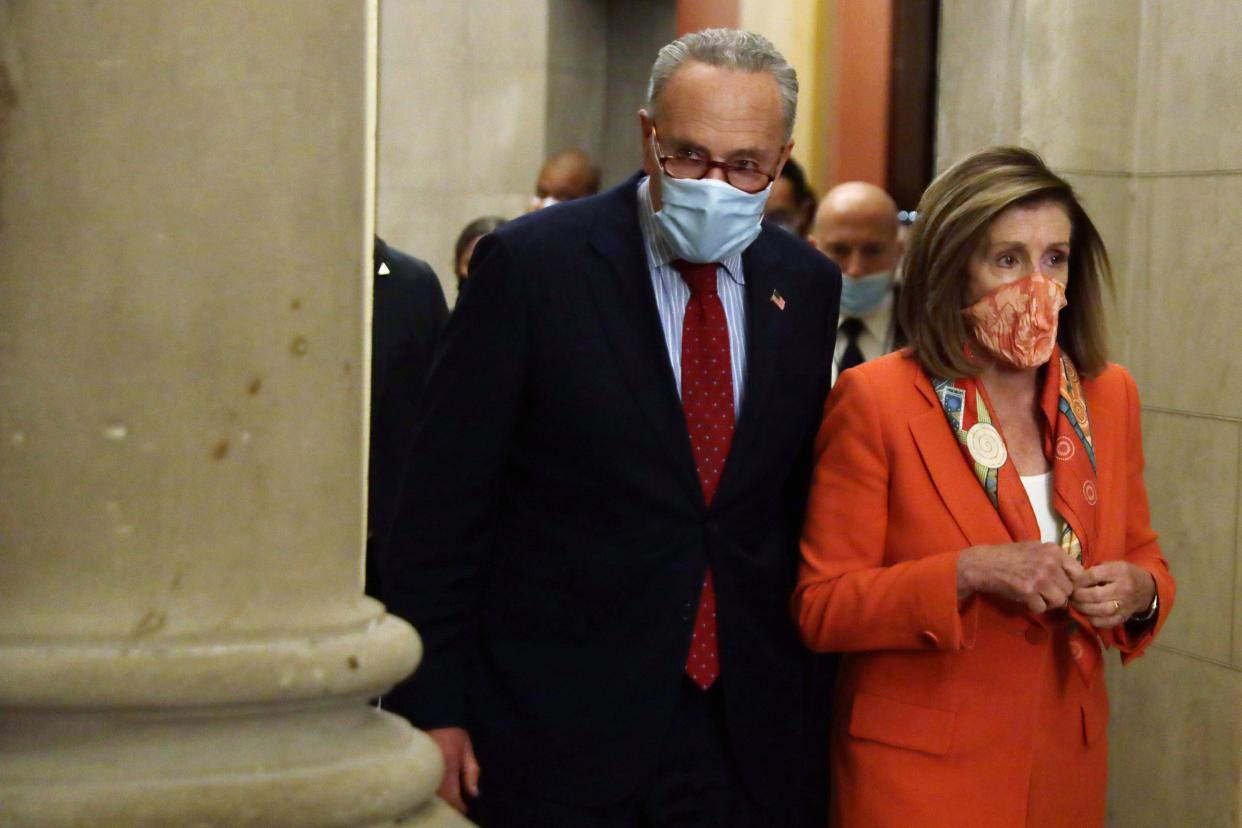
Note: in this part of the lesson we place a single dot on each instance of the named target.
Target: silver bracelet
(1150, 614)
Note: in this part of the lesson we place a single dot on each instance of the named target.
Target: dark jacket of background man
(409, 311)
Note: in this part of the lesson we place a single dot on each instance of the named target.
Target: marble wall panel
(575, 116)
(430, 32)
(1237, 574)
(1077, 92)
(637, 29)
(577, 34)
(1197, 525)
(1191, 284)
(505, 132)
(1189, 106)
(1110, 202)
(463, 101)
(979, 101)
(1173, 743)
(622, 139)
(423, 127)
(577, 82)
(507, 206)
(506, 34)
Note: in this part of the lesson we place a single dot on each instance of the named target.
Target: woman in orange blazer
(978, 529)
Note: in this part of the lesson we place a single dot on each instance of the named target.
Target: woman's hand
(1110, 593)
(1039, 575)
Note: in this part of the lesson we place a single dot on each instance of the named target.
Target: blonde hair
(953, 220)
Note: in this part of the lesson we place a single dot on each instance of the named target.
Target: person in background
(409, 311)
(791, 204)
(567, 175)
(463, 250)
(856, 227)
(978, 531)
(597, 538)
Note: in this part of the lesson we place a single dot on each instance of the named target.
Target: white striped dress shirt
(672, 293)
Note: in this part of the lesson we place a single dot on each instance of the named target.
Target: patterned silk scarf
(1067, 443)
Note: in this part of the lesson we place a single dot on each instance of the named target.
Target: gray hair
(729, 49)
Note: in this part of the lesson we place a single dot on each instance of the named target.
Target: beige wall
(474, 96)
(637, 29)
(463, 97)
(1136, 101)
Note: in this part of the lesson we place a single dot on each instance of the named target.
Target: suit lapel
(759, 267)
(953, 479)
(625, 301)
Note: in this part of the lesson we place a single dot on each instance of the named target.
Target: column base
(340, 764)
(259, 731)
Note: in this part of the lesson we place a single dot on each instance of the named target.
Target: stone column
(186, 211)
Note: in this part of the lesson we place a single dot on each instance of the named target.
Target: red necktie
(707, 397)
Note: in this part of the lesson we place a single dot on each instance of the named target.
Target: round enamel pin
(986, 446)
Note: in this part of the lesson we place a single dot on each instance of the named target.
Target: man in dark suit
(408, 313)
(597, 537)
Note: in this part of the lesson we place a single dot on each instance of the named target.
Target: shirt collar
(658, 252)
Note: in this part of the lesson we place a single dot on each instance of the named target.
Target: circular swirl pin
(986, 446)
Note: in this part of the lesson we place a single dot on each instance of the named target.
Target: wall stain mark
(8, 91)
(152, 622)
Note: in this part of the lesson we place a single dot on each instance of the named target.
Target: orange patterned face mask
(1017, 322)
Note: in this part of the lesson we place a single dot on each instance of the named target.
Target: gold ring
(1116, 605)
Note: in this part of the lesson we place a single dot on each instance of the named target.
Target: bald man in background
(856, 226)
(567, 175)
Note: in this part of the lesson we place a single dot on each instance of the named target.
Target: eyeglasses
(746, 179)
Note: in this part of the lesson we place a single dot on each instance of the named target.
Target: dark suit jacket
(552, 536)
(409, 312)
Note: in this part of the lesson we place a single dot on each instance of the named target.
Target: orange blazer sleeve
(1141, 548)
(849, 597)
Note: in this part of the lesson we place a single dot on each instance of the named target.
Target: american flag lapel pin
(778, 300)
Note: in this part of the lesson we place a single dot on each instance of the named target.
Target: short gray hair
(729, 49)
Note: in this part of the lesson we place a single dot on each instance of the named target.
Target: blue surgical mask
(861, 296)
(708, 220)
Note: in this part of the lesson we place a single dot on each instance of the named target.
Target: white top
(1039, 492)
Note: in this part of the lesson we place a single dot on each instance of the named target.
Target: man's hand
(1108, 594)
(461, 769)
(1039, 575)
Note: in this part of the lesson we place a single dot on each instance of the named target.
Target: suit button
(1036, 635)
(687, 612)
(930, 638)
